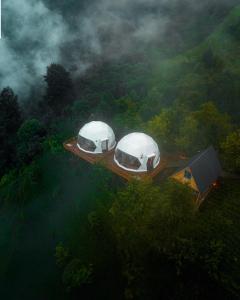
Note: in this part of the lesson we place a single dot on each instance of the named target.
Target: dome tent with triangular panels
(137, 152)
(96, 137)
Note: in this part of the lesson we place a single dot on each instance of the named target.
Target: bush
(30, 138)
(77, 274)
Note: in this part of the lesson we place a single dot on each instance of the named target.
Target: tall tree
(60, 91)
(30, 137)
(164, 127)
(149, 220)
(10, 121)
(231, 151)
(204, 127)
(168, 250)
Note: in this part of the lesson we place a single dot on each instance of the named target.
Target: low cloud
(32, 36)
(39, 32)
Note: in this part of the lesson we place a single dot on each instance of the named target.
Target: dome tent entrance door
(105, 145)
(150, 162)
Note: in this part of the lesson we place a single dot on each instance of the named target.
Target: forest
(71, 230)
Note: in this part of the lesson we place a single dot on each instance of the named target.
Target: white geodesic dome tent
(137, 152)
(96, 137)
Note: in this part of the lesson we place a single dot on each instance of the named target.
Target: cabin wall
(180, 178)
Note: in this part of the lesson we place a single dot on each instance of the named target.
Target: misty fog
(76, 33)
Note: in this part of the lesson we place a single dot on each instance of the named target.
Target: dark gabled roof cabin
(201, 171)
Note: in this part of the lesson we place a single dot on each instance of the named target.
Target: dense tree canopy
(113, 239)
(60, 91)
(162, 240)
(231, 151)
(10, 121)
(30, 137)
(204, 127)
(177, 128)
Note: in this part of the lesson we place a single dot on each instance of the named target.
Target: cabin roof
(205, 168)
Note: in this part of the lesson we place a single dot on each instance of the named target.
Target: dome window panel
(96, 137)
(86, 144)
(127, 160)
(137, 152)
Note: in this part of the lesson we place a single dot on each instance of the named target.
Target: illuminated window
(187, 174)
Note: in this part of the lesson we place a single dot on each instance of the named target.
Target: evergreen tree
(60, 91)
(30, 137)
(231, 151)
(10, 121)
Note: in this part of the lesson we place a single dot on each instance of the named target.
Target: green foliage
(162, 239)
(53, 144)
(207, 126)
(60, 91)
(29, 129)
(30, 138)
(209, 71)
(141, 206)
(192, 90)
(93, 219)
(80, 109)
(231, 151)
(211, 61)
(62, 255)
(147, 218)
(166, 249)
(177, 128)
(10, 112)
(213, 259)
(19, 186)
(219, 220)
(161, 222)
(127, 116)
(10, 121)
(164, 128)
(77, 274)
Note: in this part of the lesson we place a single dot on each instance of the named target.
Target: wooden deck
(71, 146)
(109, 163)
(107, 160)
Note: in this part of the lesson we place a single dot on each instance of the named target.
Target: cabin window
(126, 160)
(187, 175)
(86, 144)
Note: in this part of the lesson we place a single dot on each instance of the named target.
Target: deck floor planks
(107, 160)
(71, 146)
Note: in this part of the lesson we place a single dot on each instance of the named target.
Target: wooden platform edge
(107, 160)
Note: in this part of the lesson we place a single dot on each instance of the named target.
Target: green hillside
(209, 72)
(70, 230)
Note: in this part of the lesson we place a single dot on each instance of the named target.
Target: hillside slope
(209, 72)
